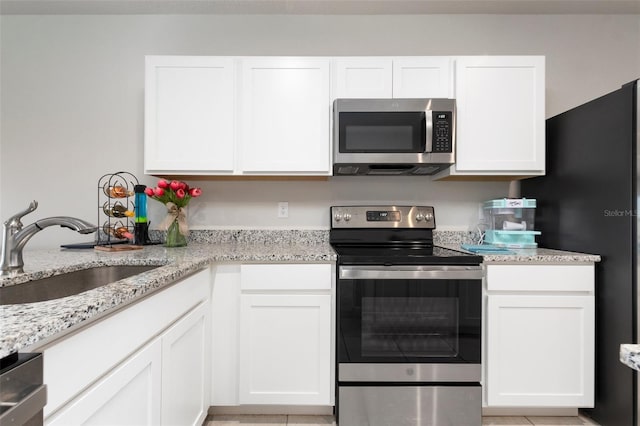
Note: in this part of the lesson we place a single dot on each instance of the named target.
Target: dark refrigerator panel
(587, 203)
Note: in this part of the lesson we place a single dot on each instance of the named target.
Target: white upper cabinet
(285, 116)
(500, 116)
(422, 77)
(385, 77)
(189, 114)
(363, 78)
(272, 115)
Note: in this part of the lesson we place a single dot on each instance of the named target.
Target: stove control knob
(428, 217)
(347, 217)
(338, 217)
(419, 217)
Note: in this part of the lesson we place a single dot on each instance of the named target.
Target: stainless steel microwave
(393, 136)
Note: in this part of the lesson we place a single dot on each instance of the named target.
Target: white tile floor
(284, 420)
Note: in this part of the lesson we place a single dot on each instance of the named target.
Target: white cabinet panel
(285, 349)
(225, 302)
(363, 78)
(422, 77)
(500, 121)
(547, 278)
(129, 395)
(292, 277)
(189, 114)
(186, 369)
(539, 335)
(540, 351)
(285, 119)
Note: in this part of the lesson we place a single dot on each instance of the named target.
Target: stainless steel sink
(68, 284)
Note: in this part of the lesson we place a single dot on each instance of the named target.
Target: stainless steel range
(408, 321)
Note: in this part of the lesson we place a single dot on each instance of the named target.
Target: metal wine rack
(115, 196)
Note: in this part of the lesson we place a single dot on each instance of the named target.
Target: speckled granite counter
(630, 355)
(538, 255)
(24, 325)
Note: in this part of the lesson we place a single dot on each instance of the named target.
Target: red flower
(175, 191)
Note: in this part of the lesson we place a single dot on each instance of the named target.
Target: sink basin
(68, 284)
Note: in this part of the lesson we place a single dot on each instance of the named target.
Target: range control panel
(383, 217)
(442, 131)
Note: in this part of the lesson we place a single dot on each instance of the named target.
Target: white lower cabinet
(273, 335)
(145, 365)
(285, 352)
(540, 336)
(129, 395)
(185, 369)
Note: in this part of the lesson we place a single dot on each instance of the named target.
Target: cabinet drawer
(286, 277)
(540, 278)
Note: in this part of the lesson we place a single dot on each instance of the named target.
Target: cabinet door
(129, 395)
(422, 77)
(185, 369)
(285, 119)
(285, 355)
(500, 114)
(363, 78)
(189, 114)
(540, 351)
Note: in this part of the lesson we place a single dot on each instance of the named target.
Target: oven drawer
(403, 372)
(410, 405)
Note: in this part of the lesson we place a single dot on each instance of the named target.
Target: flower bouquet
(176, 196)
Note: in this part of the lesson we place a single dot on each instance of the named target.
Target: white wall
(72, 92)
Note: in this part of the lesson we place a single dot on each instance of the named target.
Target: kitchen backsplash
(297, 236)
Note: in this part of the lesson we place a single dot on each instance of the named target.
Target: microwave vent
(348, 170)
(425, 170)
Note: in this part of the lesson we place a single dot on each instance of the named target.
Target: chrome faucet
(15, 237)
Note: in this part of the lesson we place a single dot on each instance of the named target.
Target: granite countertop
(25, 325)
(31, 325)
(536, 255)
(630, 355)
(540, 255)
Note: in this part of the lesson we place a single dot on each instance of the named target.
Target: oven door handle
(401, 272)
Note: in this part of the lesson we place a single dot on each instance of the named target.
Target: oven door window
(382, 132)
(436, 321)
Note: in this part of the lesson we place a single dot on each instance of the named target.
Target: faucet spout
(15, 237)
(72, 223)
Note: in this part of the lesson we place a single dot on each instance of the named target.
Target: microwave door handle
(429, 130)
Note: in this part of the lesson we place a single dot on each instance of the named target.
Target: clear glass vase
(174, 237)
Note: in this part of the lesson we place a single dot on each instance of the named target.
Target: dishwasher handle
(420, 272)
(24, 410)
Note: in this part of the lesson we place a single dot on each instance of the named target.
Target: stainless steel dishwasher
(22, 393)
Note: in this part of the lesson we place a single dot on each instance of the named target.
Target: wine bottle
(121, 232)
(117, 210)
(117, 191)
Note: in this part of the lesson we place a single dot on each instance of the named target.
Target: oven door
(409, 323)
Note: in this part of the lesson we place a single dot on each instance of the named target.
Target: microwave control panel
(442, 131)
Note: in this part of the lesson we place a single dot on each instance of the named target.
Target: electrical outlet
(283, 209)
